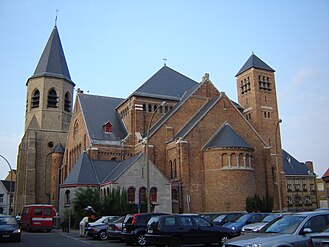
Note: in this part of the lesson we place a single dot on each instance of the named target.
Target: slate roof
(196, 118)
(52, 62)
(227, 137)
(254, 62)
(94, 172)
(59, 149)
(6, 183)
(98, 110)
(292, 166)
(165, 84)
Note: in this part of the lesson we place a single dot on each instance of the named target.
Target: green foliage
(257, 204)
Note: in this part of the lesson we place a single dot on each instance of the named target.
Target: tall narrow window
(171, 170)
(154, 194)
(35, 99)
(175, 169)
(131, 194)
(67, 103)
(52, 99)
(142, 194)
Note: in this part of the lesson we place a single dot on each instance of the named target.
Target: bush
(257, 204)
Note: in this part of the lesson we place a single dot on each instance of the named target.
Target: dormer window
(107, 127)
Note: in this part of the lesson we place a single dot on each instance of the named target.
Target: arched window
(233, 160)
(175, 169)
(35, 99)
(142, 194)
(131, 194)
(154, 194)
(108, 191)
(240, 161)
(52, 99)
(224, 160)
(67, 197)
(67, 102)
(171, 170)
(298, 200)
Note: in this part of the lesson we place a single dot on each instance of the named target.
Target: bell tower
(48, 115)
(257, 95)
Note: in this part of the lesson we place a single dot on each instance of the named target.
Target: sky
(113, 47)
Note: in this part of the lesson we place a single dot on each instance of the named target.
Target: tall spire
(52, 62)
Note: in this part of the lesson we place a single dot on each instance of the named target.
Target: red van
(38, 217)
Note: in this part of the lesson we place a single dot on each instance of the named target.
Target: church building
(184, 140)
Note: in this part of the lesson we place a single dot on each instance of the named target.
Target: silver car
(292, 230)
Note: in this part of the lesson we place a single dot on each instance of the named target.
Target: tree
(257, 204)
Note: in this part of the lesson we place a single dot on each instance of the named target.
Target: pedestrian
(82, 226)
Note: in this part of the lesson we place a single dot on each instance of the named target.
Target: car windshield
(270, 217)
(8, 221)
(242, 218)
(286, 225)
(101, 220)
(219, 218)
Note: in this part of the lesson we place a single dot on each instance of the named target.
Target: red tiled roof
(326, 174)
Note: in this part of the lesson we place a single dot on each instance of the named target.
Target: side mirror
(307, 230)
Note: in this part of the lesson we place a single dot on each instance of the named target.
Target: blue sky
(112, 47)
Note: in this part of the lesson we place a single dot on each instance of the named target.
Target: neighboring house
(129, 174)
(5, 188)
(300, 182)
(325, 179)
(322, 193)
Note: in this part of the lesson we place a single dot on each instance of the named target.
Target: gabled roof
(254, 62)
(165, 84)
(52, 62)
(6, 183)
(95, 172)
(226, 137)
(98, 110)
(326, 174)
(292, 166)
(196, 118)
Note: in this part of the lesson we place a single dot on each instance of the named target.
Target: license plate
(5, 236)
(150, 230)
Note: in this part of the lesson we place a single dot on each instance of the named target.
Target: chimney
(309, 165)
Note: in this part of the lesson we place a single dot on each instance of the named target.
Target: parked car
(134, 227)
(237, 223)
(104, 220)
(226, 217)
(320, 239)
(291, 230)
(9, 228)
(98, 228)
(256, 227)
(180, 229)
(114, 228)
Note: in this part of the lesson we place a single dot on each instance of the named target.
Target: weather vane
(164, 61)
(56, 17)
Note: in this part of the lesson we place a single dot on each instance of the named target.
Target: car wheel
(102, 235)
(141, 240)
(175, 242)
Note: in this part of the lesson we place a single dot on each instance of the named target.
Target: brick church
(204, 151)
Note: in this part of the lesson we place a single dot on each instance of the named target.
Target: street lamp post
(11, 182)
(147, 159)
(277, 164)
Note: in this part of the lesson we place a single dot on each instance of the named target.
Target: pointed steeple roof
(52, 62)
(254, 62)
(226, 137)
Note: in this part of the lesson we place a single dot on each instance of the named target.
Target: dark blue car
(237, 223)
